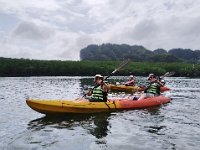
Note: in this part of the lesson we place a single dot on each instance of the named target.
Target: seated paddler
(153, 88)
(100, 91)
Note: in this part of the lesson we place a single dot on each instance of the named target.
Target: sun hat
(98, 76)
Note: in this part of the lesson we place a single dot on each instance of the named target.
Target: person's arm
(158, 81)
(105, 87)
(89, 93)
(146, 86)
(131, 82)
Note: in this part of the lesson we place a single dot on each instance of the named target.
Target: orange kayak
(74, 106)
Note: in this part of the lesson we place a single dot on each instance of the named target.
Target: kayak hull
(124, 88)
(78, 107)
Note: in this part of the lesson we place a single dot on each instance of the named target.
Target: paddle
(120, 67)
(167, 74)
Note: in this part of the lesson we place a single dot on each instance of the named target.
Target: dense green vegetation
(26, 67)
(138, 53)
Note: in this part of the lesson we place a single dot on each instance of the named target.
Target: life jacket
(153, 88)
(98, 94)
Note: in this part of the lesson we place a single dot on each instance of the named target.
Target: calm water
(173, 126)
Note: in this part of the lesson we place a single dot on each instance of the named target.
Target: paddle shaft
(167, 74)
(121, 66)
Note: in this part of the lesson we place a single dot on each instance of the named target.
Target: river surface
(173, 126)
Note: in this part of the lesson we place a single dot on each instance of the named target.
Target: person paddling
(99, 92)
(153, 89)
(131, 81)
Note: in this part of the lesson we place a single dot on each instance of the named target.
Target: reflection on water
(158, 118)
(96, 124)
(61, 132)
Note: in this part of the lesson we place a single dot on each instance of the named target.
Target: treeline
(25, 67)
(138, 53)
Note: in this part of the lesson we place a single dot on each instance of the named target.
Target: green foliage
(26, 67)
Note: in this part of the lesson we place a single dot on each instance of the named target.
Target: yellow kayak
(125, 88)
(73, 106)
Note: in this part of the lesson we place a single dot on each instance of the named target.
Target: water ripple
(171, 126)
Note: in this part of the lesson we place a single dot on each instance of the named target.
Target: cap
(98, 76)
(131, 76)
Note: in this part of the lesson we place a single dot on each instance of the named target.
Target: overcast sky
(58, 29)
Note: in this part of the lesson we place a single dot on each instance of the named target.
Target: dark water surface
(173, 126)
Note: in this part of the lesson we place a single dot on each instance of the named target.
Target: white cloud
(58, 29)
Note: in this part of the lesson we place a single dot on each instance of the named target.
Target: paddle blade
(168, 74)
